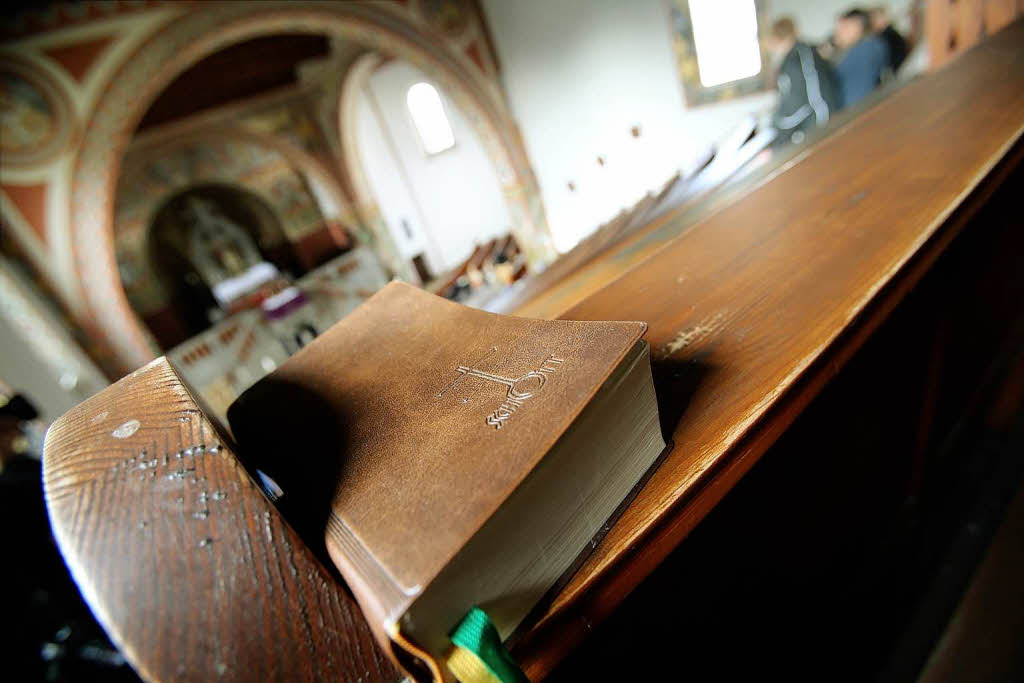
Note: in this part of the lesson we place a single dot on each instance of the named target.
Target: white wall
(393, 195)
(579, 74)
(38, 355)
(452, 200)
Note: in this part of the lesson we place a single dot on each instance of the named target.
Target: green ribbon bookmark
(478, 655)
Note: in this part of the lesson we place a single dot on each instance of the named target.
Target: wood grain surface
(192, 572)
(751, 311)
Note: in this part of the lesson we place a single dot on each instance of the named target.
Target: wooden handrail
(754, 309)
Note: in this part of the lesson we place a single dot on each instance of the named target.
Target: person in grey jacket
(808, 88)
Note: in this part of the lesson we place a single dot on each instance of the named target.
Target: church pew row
(732, 156)
(596, 244)
(761, 301)
(446, 281)
(582, 253)
(477, 276)
(714, 186)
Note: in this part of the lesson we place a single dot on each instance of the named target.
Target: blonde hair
(783, 29)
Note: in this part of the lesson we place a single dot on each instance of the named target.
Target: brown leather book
(452, 458)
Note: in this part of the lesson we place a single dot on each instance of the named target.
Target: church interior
(810, 204)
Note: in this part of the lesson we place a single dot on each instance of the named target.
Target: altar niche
(206, 236)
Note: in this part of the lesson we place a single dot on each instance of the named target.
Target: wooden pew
(584, 252)
(445, 282)
(729, 163)
(952, 27)
(768, 297)
(775, 292)
(483, 257)
(184, 562)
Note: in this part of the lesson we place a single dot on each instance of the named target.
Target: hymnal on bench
(453, 458)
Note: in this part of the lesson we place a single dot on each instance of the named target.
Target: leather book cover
(397, 433)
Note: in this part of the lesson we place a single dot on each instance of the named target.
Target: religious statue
(218, 247)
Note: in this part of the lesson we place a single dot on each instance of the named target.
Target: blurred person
(17, 416)
(881, 24)
(865, 57)
(808, 88)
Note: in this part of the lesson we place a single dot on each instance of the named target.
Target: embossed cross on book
(518, 389)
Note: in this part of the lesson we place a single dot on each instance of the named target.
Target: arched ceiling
(236, 72)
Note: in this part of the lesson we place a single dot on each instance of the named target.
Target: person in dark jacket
(808, 91)
(865, 58)
(881, 24)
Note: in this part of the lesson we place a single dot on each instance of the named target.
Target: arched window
(725, 35)
(429, 118)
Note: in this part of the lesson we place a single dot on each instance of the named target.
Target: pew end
(189, 568)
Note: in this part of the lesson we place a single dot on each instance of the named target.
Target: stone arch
(204, 30)
(324, 187)
(364, 201)
(178, 261)
(140, 193)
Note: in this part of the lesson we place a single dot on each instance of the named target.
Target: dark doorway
(201, 236)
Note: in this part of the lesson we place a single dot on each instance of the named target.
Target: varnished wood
(1000, 13)
(192, 572)
(634, 233)
(767, 298)
(940, 23)
(952, 27)
(970, 21)
(711, 190)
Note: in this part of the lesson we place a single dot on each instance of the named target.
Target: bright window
(725, 36)
(429, 118)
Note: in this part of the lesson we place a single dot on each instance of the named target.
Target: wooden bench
(729, 162)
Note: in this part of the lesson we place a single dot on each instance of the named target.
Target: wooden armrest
(188, 567)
